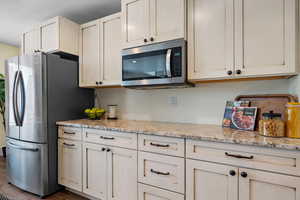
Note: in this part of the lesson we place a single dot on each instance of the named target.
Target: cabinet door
(30, 41)
(210, 39)
(207, 181)
(265, 36)
(89, 54)
(70, 164)
(95, 170)
(167, 20)
(110, 50)
(122, 174)
(135, 22)
(258, 185)
(50, 35)
(153, 193)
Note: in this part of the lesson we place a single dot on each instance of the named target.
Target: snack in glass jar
(271, 125)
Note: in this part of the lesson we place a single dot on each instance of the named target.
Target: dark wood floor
(16, 194)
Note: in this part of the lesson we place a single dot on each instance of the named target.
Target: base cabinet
(69, 164)
(258, 185)
(109, 173)
(152, 193)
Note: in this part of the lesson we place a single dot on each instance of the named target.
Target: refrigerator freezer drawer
(25, 164)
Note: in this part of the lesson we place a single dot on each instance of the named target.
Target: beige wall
(6, 51)
(203, 104)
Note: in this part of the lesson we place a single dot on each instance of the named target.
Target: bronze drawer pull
(159, 145)
(69, 133)
(69, 145)
(160, 173)
(107, 138)
(239, 156)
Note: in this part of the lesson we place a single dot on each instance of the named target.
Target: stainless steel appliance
(155, 65)
(40, 90)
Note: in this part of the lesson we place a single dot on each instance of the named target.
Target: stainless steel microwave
(155, 65)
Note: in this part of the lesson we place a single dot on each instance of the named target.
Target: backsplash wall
(203, 104)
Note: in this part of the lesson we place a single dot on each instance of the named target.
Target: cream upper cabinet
(135, 22)
(89, 58)
(95, 170)
(256, 38)
(110, 50)
(150, 21)
(69, 164)
(59, 34)
(122, 174)
(265, 37)
(55, 35)
(100, 52)
(259, 185)
(30, 41)
(207, 181)
(210, 39)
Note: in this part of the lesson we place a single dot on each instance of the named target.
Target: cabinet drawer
(111, 138)
(275, 160)
(163, 145)
(70, 133)
(161, 171)
(152, 193)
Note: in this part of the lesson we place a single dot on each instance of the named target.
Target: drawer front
(151, 193)
(70, 133)
(111, 138)
(161, 171)
(282, 161)
(163, 145)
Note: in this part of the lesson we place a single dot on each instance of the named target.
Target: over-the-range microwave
(155, 65)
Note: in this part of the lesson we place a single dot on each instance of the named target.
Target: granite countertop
(213, 133)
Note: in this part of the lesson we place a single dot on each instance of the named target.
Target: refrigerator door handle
(23, 98)
(22, 148)
(15, 98)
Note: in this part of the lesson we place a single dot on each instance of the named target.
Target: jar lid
(293, 104)
(271, 114)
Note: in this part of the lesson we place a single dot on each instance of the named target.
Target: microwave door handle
(168, 63)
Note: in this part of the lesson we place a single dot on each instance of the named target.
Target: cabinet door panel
(167, 19)
(260, 185)
(265, 36)
(89, 54)
(94, 170)
(135, 22)
(30, 41)
(69, 164)
(210, 41)
(50, 35)
(122, 174)
(207, 181)
(110, 38)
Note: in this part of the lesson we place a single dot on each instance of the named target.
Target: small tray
(267, 102)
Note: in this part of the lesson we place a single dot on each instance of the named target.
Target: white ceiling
(17, 16)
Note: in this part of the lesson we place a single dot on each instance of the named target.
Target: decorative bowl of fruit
(94, 113)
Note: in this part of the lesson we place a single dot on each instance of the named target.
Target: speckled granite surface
(189, 131)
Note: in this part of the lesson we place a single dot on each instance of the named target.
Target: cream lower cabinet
(109, 173)
(152, 193)
(70, 164)
(100, 52)
(242, 38)
(206, 181)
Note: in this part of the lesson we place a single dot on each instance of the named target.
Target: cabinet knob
(244, 174)
(152, 39)
(108, 150)
(97, 82)
(229, 72)
(100, 82)
(103, 149)
(145, 40)
(232, 173)
(238, 71)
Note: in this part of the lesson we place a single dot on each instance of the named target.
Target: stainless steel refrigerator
(40, 90)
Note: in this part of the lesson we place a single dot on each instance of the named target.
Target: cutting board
(268, 102)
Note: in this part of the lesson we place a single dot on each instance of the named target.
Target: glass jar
(271, 125)
(293, 120)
